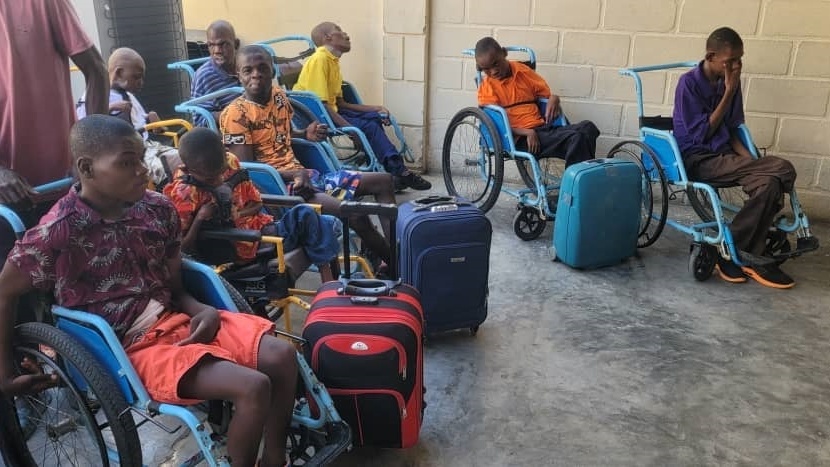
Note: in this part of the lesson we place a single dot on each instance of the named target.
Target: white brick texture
(567, 13)
(794, 97)
(813, 59)
(595, 49)
(640, 15)
(704, 16)
(544, 42)
(517, 12)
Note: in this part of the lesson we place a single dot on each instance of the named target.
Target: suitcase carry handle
(438, 203)
(368, 287)
(387, 210)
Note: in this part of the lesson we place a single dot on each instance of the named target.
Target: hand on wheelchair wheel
(31, 382)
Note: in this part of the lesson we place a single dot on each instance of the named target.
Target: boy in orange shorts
(112, 248)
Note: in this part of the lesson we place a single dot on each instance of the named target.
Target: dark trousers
(764, 180)
(371, 125)
(573, 143)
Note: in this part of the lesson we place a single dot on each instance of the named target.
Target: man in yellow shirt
(321, 75)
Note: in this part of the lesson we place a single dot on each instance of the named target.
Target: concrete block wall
(581, 45)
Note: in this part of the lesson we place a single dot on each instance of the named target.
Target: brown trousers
(764, 180)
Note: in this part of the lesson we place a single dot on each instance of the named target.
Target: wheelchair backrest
(312, 155)
(266, 178)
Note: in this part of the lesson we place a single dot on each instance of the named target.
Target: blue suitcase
(444, 251)
(598, 214)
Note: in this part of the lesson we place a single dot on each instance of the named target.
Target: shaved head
(319, 33)
(123, 58)
(221, 26)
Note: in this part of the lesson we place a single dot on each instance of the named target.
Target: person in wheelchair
(126, 71)
(211, 190)
(517, 88)
(257, 126)
(321, 75)
(220, 71)
(708, 108)
(112, 248)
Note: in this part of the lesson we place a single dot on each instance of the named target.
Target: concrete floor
(631, 365)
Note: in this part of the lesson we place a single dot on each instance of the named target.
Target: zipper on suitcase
(402, 363)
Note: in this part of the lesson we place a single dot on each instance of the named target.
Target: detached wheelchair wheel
(473, 158)
(655, 204)
(73, 423)
(528, 224)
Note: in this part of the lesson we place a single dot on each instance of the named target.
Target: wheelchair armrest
(239, 235)
(281, 200)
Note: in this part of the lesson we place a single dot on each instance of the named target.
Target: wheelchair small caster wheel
(702, 260)
(473, 330)
(528, 224)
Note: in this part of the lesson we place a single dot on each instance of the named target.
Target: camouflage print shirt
(109, 268)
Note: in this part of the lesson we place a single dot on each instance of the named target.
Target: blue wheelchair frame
(664, 146)
(97, 336)
(190, 66)
(532, 201)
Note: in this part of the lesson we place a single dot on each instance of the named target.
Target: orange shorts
(161, 364)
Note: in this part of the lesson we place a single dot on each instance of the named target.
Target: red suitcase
(365, 343)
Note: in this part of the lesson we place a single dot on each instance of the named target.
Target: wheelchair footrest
(339, 439)
(802, 245)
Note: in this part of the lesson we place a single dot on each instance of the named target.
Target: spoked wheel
(302, 117)
(528, 224)
(74, 423)
(472, 160)
(655, 203)
(731, 199)
(702, 260)
(551, 171)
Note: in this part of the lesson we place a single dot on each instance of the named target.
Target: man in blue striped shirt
(219, 72)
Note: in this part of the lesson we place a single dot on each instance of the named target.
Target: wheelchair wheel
(731, 198)
(702, 260)
(473, 159)
(241, 303)
(655, 205)
(75, 422)
(552, 169)
(303, 116)
(528, 224)
(310, 447)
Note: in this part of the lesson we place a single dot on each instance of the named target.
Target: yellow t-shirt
(321, 75)
(266, 127)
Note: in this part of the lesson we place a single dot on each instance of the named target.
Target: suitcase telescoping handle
(438, 203)
(388, 211)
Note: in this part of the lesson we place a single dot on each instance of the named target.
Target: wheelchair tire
(552, 170)
(733, 196)
(655, 189)
(702, 260)
(528, 224)
(241, 303)
(303, 116)
(67, 410)
(468, 154)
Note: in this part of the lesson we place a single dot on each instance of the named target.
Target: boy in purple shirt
(708, 108)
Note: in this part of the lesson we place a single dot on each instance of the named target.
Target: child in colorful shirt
(112, 248)
(207, 166)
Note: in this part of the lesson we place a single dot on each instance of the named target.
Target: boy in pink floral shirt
(112, 248)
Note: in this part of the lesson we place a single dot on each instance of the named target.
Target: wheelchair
(190, 65)
(664, 177)
(362, 158)
(92, 416)
(477, 142)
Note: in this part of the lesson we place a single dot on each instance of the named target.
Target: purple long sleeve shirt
(694, 101)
